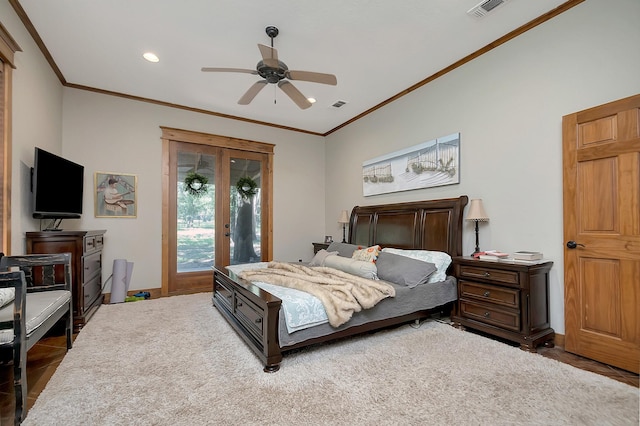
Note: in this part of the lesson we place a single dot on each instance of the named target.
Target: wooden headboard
(426, 225)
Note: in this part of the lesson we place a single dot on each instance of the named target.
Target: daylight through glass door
(196, 211)
(245, 210)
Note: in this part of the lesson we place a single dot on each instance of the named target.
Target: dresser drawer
(99, 242)
(487, 273)
(490, 314)
(91, 290)
(250, 315)
(89, 244)
(91, 266)
(490, 294)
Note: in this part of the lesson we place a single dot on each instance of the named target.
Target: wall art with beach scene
(429, 164)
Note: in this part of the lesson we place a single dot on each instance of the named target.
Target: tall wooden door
(601, 159)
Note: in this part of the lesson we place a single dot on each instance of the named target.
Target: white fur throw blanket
(341, 293)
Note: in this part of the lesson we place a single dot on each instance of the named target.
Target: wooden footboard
(252, 312)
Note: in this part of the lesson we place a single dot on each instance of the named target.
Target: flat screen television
(57, 187)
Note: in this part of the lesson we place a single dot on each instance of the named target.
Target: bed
(255, 313)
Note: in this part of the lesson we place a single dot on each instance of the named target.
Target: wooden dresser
(86, 266)
(504, 299)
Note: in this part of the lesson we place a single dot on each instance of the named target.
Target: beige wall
(508, 106)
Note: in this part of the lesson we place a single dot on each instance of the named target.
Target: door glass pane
(196, 211)
(246, 181)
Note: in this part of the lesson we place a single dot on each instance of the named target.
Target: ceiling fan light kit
(274, 71)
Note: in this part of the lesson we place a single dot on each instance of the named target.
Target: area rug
(175, 361)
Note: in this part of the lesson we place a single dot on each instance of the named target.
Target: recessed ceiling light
(312, 100)
(151, 57)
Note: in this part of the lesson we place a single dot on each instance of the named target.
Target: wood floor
(46, 355)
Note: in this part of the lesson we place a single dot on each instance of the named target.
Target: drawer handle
(486, 274)
(239, 303)
(258, 320)
(486, 293)
(487, 314)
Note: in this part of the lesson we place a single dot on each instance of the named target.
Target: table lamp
(477, 214)
(344, 219)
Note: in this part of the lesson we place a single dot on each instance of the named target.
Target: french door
(216, 207)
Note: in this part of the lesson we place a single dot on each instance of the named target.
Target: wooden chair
(42, 285)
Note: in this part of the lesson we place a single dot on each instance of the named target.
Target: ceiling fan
(275, 71)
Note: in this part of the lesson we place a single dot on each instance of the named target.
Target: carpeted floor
(175, 361)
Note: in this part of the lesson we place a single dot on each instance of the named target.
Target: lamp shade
(476, 211)
(344, 217)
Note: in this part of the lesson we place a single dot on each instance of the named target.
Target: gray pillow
(403, 270)
(351, 266)
(321, 255)
(343, 249)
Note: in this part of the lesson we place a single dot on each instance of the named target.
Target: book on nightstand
(488, 257)
(527, 255)
(492, 255)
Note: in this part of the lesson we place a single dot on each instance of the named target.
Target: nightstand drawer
(490, 315)
(487, 273)
(490, 294)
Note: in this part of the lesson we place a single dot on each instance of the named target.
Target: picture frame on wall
(432, 163)
(115, 195)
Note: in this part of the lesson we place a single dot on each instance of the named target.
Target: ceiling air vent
(484, 7)
(338, 104)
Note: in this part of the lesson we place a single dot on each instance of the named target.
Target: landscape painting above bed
(429, 164)
(428, 231)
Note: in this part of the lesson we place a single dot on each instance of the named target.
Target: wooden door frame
(8, 49)
(178, 135)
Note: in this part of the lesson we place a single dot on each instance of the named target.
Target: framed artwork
(115, 195)
(432, 163)
(328, 239)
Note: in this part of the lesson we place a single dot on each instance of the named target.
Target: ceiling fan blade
(295, 95)
(252, 92)
(209, 69)
(269, 55)
(315, 77)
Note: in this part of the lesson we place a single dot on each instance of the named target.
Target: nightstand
(508, 300)
(319, 246)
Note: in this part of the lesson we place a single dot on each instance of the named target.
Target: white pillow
(441, 259)
(352, 266)
(6, 296)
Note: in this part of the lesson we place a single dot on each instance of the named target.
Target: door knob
(572, 244)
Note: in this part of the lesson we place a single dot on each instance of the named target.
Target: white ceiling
(376, 48)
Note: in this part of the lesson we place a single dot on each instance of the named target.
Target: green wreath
(247, 187)
(195, 184)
